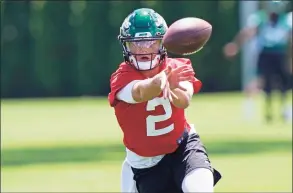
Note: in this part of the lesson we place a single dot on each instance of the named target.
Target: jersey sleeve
(119, 79)
(125, 94)
(197, 84)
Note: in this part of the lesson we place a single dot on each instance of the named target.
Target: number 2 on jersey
(151, 120)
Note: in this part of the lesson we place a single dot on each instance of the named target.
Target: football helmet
(141, 37)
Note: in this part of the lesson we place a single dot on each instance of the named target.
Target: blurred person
(149, 93)
(289, 23)
(251, 88)
(288, 114)
(272, 28)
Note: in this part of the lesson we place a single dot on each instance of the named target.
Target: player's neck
(155, 71)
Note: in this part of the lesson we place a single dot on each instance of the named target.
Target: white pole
(248, 58)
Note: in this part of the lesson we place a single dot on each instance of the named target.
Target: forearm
(244, 35)
(183, 97)
(239, 38)
(183, 100)
(145, 90)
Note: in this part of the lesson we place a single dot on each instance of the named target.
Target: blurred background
(58, 132)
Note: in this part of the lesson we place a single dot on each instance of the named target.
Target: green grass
(74, 145)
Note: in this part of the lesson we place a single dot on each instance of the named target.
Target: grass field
(74, 145)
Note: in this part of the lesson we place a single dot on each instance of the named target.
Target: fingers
(170, 94)
(167, 92)
(165, 87)
(173, 95)
(179, 69)
(163, 81)
(186, 78)
(168, 70)
(181, 73)
(186, 73)
(182, 68)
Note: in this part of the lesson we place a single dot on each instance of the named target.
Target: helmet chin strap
(148, 65)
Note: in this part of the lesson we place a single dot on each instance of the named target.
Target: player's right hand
(167, 91)
(160, 81)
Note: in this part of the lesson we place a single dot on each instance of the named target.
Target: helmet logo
(143, 34)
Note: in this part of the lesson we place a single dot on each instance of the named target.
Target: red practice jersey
(150, 128)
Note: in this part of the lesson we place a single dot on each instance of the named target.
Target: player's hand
(165, 85)
(181, 73)
(230, 50)
(168, 93)
(161, 82)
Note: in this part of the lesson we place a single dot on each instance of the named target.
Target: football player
(272, 27)
(149, 93)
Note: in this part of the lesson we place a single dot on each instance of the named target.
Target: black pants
(271, 66)
(168, 174)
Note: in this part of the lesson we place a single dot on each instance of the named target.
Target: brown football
(187, 35)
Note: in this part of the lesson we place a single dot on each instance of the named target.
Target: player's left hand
(175, 76)
(181, 73)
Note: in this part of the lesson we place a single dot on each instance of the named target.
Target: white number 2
(151, 120)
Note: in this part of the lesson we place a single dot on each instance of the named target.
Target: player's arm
(245, 34)
(139, 91)
(148, 89)
(183, 96)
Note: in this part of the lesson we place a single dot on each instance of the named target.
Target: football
(187, 35)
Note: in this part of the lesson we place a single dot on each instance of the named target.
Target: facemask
(145, 65)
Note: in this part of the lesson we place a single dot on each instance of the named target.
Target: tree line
(70, 48)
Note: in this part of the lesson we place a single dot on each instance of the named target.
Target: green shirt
(272, 38)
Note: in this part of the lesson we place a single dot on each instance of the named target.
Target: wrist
(156, 82)
(182, 101)
(172, 88)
